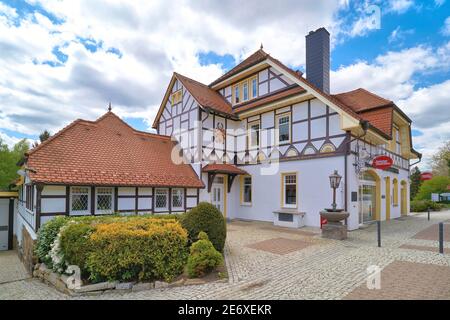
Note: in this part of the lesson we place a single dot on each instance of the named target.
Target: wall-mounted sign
(426, 176)
(382, 162)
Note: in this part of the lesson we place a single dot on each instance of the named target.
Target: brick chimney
(318, 58)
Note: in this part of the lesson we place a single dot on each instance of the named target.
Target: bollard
(428, 213)
(441, 237)
(379, 233)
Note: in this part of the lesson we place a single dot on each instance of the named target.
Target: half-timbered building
(259, 143)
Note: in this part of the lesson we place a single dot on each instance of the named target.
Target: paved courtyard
(267, 262)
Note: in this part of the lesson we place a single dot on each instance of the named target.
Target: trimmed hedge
(46, 237)
(203, 257)
(207, 218)
(138, 249)
(422, 206)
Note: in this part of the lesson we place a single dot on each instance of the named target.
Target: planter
(334, 216)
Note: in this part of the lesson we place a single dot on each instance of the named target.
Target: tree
(415, 182)
(42, 137)
(436, 185)
(8, 162)
(440, 162)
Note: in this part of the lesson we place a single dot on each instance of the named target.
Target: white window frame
(283, 190)
(250, 140)
(166, 192)
(277, 128)
(174, 208)
(243, 184)
(80, 212)
(254, 80)
(97, 193)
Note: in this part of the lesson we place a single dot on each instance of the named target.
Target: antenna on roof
(109, 107)
(261, 46)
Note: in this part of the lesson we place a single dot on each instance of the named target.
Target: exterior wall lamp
(335, 180)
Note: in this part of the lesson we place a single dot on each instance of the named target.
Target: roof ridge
(236, 67)
(53, 137)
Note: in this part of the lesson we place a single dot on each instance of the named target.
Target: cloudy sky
(65, 59)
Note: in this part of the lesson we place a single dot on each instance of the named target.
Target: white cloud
(9, 141)
(398, 35)
(400, 6)
(155, 39)
(446, 27)
(390, 75)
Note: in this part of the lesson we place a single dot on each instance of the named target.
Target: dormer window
(245, 90)
(236, 94)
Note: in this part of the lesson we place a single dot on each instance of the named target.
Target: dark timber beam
(230, 181)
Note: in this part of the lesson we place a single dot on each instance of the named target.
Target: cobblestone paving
(322, 269)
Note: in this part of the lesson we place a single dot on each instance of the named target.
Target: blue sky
(63, 60)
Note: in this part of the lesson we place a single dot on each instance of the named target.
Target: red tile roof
(269, 98)
(253, 59)
(108, 152)
(380, 118)
(223, 168)
(361, 99)
(371, 107)
(205, 96)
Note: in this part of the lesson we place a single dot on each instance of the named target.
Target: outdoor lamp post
(335, 180)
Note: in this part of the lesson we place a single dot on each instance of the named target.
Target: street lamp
(335, 180)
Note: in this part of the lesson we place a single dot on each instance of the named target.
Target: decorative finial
(109, 107)
(261, 46)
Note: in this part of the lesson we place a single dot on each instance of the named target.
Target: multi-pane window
(254, 134)
(177, 96)
(247, 190)
(177, 198)
(284, 128)
(236, 94)
(289, 190)
(245, 90)
(104, 200)
(161, 200)
(29, 197)
(79, 199)
(398, 146)
(254, 88)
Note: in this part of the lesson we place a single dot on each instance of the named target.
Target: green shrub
(75, 243)
(203, 257)
(423, 205)
(137, 249)
(207, 218)
(46, 237)
(436, 185)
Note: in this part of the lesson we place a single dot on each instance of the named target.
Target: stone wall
(26, 252)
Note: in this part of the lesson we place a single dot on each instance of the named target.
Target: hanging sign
(382, 162)
(426, 176)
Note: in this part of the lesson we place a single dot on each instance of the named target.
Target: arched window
(327, 147)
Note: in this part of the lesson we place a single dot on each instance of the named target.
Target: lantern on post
(335, 180)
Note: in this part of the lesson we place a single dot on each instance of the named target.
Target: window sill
(289, 207)
(246, 204)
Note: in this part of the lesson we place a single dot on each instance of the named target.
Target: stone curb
(59, 282)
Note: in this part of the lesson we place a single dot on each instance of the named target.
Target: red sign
(426, 176)
(322, 222)
(382, 162)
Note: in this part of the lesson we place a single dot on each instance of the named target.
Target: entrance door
(367, 202)
(4, 224)
(217, 196)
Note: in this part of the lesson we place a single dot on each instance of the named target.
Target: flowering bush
(46, 237)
